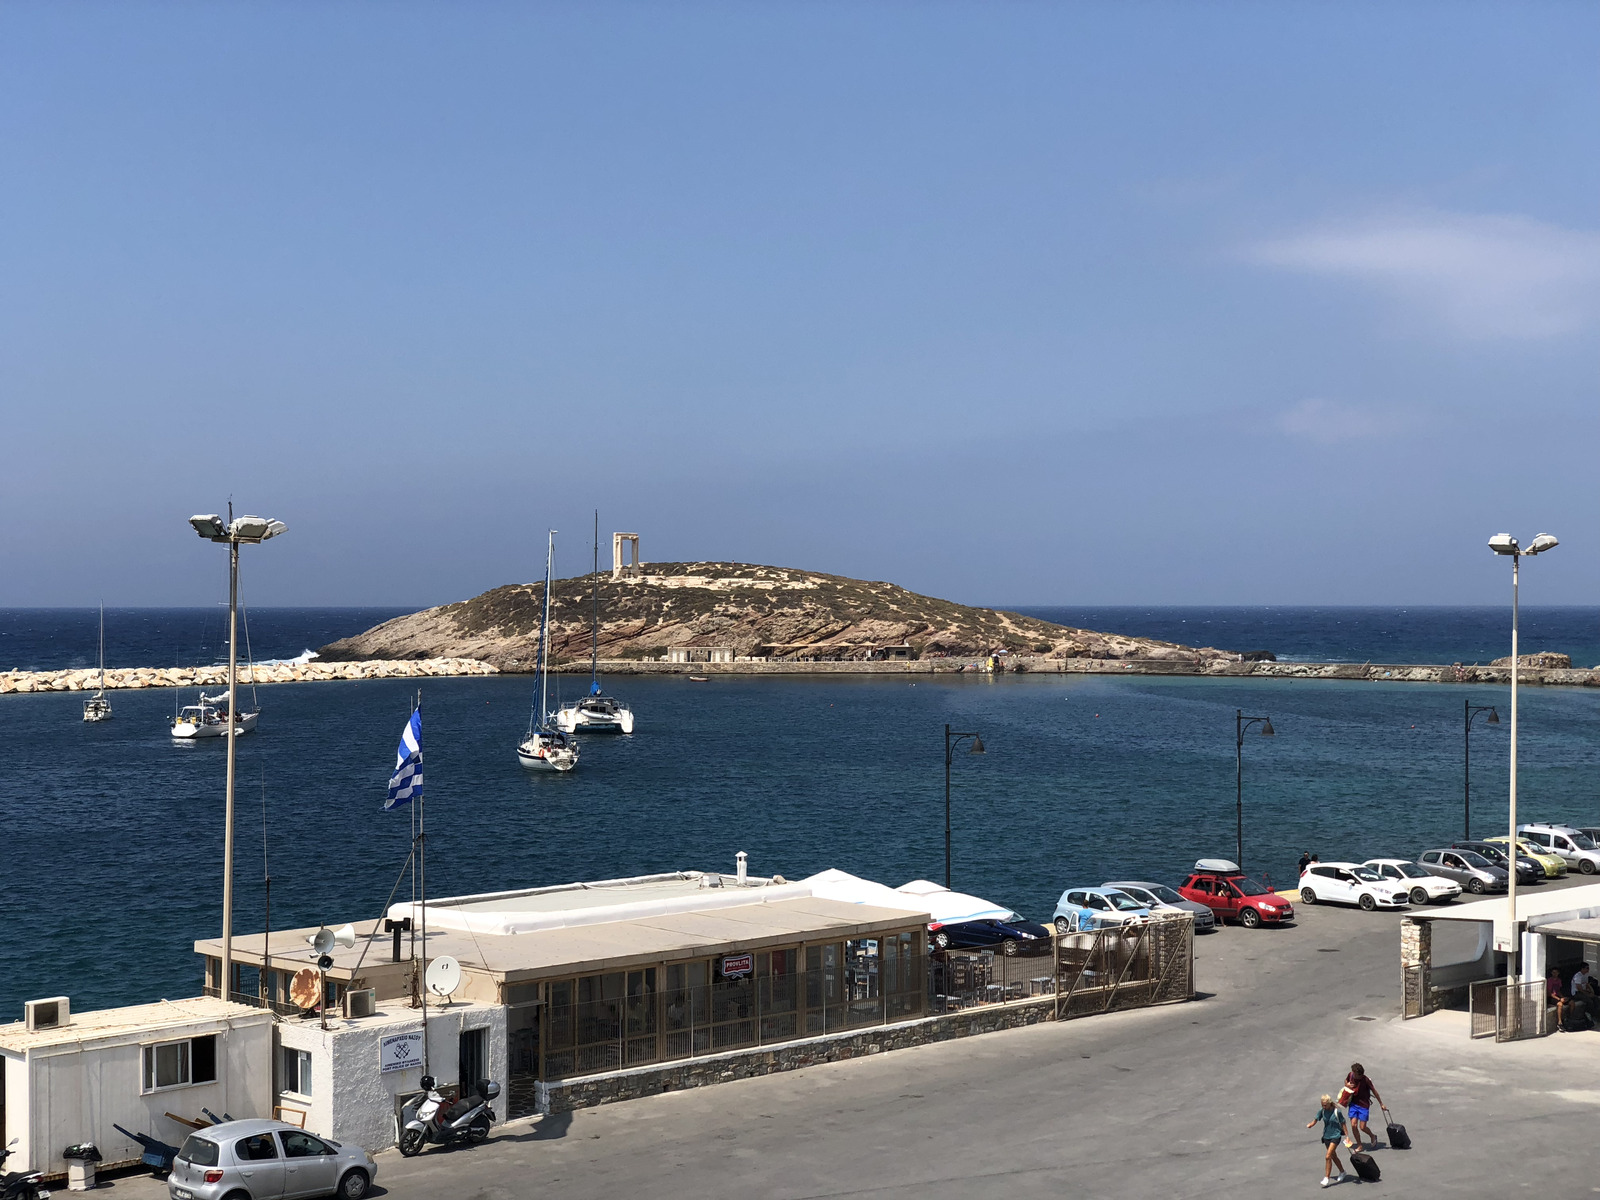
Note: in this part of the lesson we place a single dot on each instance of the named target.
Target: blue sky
(1015, 304)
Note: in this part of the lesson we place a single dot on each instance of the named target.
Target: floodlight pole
(1513, 957)
(233, 730)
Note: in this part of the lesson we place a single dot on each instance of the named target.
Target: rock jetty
(163, 677)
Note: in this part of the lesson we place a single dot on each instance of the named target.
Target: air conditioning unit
(363, 1003)
(49, 1013)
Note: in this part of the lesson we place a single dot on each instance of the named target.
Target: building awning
(1579, 929)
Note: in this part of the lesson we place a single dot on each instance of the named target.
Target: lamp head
(209, 526)
(1542, 543)
(1266, 728)
(1503, 543)
(255, 529)
(977, 745)
(1494, 717)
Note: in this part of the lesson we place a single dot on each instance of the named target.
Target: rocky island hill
(773, 613)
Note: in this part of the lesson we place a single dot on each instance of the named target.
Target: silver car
(267, 1160)
(1158, 896)
(1472, 871)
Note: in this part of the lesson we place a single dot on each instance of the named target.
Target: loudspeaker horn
(322, 940)
(345, 937)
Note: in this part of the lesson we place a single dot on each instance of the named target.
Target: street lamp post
(1504, 543)
(953, 739)
(1472, 712)
(1240, 724)
(235, 533)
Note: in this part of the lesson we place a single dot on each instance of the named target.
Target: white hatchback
(1350, 883)
(1423, 887)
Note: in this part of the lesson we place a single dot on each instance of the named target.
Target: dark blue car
(1009, 933)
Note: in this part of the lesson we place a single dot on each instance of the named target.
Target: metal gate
(1129, 966)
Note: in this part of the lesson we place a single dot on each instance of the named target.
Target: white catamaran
(546, 749)
(596, 712)
(97, 707)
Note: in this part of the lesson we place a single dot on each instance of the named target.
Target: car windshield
(1581, 840)
(1123, 902)
(1411, 871)
(1472, 859)
(1249, 887)
(1165, 894)
(1365, 874)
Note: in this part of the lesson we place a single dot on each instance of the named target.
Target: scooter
(20, 1185)
(426, 1117)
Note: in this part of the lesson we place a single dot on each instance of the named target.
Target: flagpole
(422, 871)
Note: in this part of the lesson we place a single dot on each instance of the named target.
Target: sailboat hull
(97, 708)
(539, 753)
(189, 730)
(576, 719)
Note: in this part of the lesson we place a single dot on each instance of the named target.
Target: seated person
(1556, 993)
(1583, 992)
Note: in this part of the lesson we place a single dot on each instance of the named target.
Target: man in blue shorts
(1362, 1094)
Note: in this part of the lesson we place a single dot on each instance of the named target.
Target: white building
(76, 1078)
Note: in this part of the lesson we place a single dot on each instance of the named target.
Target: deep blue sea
(115, 833)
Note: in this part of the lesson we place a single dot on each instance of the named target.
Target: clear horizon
(1226, 304)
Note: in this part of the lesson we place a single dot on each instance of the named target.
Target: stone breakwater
(163, 677)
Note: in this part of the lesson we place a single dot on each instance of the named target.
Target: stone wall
(217, 677)
(631, 1084)
(1416, 967)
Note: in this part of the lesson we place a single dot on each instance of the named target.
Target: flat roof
(640, 940)
(571, 897)
(1579, 929)
(1572, 903)
(122, 1022)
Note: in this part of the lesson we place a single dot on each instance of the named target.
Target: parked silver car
(1472, 871)
(262, 1159)
(1158, 896)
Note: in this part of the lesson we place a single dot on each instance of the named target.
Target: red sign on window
(736, 965)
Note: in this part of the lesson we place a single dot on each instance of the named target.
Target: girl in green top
(1332, 1122)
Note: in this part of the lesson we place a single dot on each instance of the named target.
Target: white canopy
(943, 905)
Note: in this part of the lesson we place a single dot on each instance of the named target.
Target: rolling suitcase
(1366, 1169)
(1399, 1139)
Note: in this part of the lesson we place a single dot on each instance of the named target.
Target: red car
(1232, 895)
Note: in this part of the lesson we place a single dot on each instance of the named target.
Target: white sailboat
(546, 749)
(596, 712)
(97, 707)
(209, 718)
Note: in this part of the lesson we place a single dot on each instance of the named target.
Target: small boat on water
(209, 718)
(596, 712)
(546, 749)
(97, 707)
(699, 679)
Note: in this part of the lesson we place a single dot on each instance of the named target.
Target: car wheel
(1063, 926)
(1367, 902)
(1250, 918)
(1009, 946)
(1307, 896)
(1586, 867)
(1475, 886)
(479, 1129)
(1418, 896)
(411, 1142)
(942, 940)
(354, 1185)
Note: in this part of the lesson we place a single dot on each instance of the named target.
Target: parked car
(260, 1158)
(1528, 871)
(1158, 897)
(1423, 888)
(1009, 933)
(1554, 868)
(1229, 893)
(1472, 871)
(1083, 909)
(1350, 883)
(1572, 846)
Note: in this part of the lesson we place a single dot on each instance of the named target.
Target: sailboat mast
(102, 645)
(544, 635)
(594, 633)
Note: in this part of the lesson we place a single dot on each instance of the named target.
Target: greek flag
(406, 782)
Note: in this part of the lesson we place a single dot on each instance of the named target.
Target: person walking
(1332, 1122)
(1362, 1093)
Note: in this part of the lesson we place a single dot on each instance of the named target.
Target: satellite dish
(304, 990)
(444, 976)
(345, 937)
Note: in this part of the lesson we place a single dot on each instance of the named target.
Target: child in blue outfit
(1332, 1122)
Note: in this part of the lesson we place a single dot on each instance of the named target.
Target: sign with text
(399, 1051)
(736, 966)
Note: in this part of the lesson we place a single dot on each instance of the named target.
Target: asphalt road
(1203, 1099)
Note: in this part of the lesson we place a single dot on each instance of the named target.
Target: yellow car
(1554, 866)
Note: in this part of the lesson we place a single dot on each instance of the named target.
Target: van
(1572, 846)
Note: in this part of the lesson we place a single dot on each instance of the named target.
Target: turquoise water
(115, 833)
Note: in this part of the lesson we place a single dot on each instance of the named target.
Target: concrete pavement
(1195, 1100)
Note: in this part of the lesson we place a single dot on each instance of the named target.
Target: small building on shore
(148, 1068)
